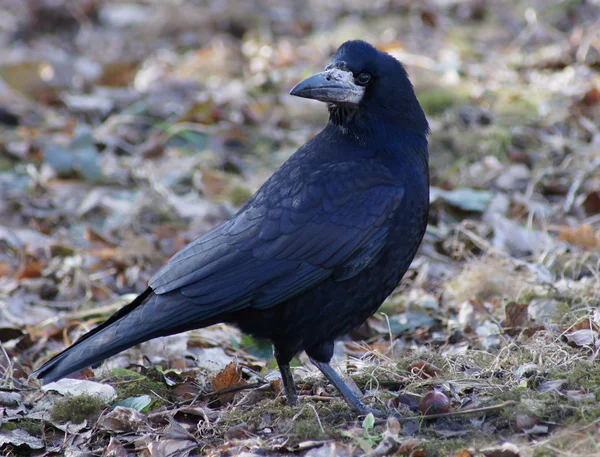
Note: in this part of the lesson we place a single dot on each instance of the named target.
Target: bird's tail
(144, 318)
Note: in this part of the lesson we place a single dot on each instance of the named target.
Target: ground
(129, 128)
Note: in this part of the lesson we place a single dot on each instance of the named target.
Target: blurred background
(128, 128)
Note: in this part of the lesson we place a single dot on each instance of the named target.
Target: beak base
(330, 86)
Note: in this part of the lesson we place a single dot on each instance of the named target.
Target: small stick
(464, 412)
(230, 390)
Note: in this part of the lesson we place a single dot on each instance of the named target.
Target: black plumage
(317, 249)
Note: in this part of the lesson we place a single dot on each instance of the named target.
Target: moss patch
(129, 383)
(77, 408)
(298, 423)
(436, 99)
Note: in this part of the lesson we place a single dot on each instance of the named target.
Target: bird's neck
(342, 115)
(363, 123)
(365, 129)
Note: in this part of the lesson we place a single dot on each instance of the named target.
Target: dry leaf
(505, 450)
(585, 337)
(32, 269)
(583, 235)
(462, 453)
(229, 377)
(516, 318)
(592, 202)
(5, 269)
(424, 369)
(122, 419)
(115, 449)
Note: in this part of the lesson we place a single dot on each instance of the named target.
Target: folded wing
(284, 242)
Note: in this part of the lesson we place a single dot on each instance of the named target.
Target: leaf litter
(129, 128)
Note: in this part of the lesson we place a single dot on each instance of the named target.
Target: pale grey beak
(330, 86)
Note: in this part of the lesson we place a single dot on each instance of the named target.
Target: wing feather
(333, 221)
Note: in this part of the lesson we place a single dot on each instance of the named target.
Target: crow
(316, 250)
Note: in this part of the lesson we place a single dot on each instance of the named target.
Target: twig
(230, 390)
(464, 412)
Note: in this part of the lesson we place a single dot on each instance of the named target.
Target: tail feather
(146, 317)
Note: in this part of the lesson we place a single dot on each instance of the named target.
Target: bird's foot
(364, 410)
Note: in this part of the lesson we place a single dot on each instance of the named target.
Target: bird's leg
(283, 356)
(352, 400)
(288, 384)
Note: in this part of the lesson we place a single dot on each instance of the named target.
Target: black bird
(316, 250)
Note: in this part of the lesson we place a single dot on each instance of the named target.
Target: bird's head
(362, 83)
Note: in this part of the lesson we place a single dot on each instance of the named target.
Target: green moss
(436, 99)
(376, 379)
(442, 448)
(132, 384)
(31, 426)
(580, 375)
(512, 107)
(298, 423)
(561, 312)
(238, 195)
(77, 408)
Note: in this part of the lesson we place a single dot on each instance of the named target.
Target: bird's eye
(363, 79)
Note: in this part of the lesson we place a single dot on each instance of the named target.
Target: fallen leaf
(122, 419)
(516, 318)
(592, 202)
(19, 437)
(5, 269)
(76, 387)
(185, 391)
(591, 97)
(32, 269)
(466, 199)
(585, 337)
(166, 448)
(510, 237)
(116, 449)
(584, 235)
(9, 333)
(230, 376)
(138, 403)
(10, 399)
(505, 450)
(462, 453)
(424, 369)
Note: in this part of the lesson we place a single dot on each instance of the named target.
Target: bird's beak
(330, 86)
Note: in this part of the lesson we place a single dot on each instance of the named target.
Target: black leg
(288, 384)
(283, 355)
(352, 400)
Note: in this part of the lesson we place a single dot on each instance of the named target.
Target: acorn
(435, 402)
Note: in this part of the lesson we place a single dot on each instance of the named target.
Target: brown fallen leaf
(230, 376)
(462, 453)
(516, 318)
(32, 269)
(186, 391)
(592, 202)
(5, 269)
(583, 235)
(418, 453)
(424, 369)
(583, 324)
(591, 97)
